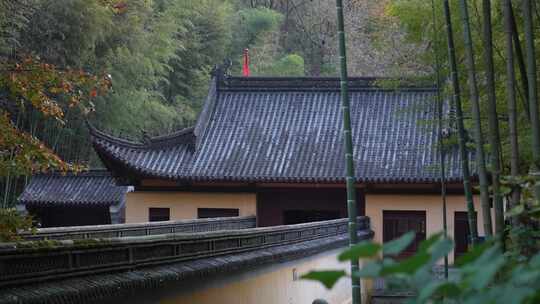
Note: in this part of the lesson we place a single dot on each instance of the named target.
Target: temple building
(272, 147)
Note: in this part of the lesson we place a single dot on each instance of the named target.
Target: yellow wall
(376, 203)
(184, 205)
(274, 284)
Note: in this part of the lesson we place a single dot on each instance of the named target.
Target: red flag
(245, 67)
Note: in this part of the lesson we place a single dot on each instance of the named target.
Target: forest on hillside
(142, 67)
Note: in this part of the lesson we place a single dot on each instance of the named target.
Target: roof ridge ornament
(222, 71)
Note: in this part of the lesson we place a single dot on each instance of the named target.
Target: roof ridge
(84, 173)
(208, 108)
(367, 82)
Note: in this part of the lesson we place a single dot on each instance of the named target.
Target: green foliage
(206, 39)
(523, 236)
(11, 223)
(485, 275)
(415, 17)
(66, 33)
(361, 250)
(14, 16)
(395, 247)
(253, 23)
(158, 53)
(290, 65)
(258, 29)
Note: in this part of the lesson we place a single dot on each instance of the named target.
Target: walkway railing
(142, 229)
(27, 262)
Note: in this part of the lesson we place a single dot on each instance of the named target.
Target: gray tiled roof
(89, 188)
(289, 130)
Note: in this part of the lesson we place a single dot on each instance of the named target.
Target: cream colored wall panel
(432, 204)
(184, 205)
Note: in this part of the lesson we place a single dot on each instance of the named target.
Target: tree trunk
(494, 134)
(463, 153)
(533, 98)
(349, 161)
(511, 95)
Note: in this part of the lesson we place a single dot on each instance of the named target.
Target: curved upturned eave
(120, 156)
(96, 134)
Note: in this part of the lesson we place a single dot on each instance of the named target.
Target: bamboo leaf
(370, 270)
(407, 266)
(472, 255)
(535, 212)
(438, 289)
(482, 278)
(441, 248)
(327, 278)
(396, 246)
(505, 190)
(361, 250)
(426, 244)
(517, 210)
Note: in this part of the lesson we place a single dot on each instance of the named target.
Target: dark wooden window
(55, 216)
(217, 212)
(397, 223)
(461, 233)
(291, 217)
(159, 214)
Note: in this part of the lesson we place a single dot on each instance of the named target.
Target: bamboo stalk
(440, 133)
(475, 105)
(493, 129)
(349, 162)
(459, 117)
(521, 64)
(533, 97)
(511, 95)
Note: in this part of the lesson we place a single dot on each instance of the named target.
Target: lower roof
(83, 189)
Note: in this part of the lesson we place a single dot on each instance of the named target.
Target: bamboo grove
(489, 59)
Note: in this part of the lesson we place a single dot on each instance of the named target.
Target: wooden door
(397, 223)
(279, 206)
(461, 233)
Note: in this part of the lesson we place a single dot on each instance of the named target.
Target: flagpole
(245, 65)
